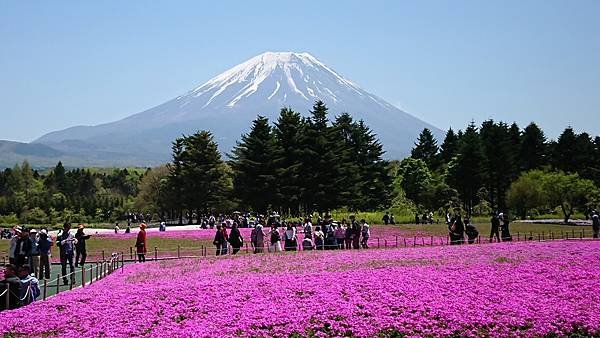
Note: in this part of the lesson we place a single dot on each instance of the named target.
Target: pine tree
(254, 168)
(449, 148)
(465, 171)
(499, 164)
(287, 161)
(205, 174)
(533, 151)
(320, 169)
(564, 152)
(426, 149)
(176, 198)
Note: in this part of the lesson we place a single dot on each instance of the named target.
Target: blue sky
(446, 62)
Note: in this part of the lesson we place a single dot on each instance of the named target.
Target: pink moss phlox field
(501, 290)
(384, 232)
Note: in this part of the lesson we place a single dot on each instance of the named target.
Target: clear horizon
(73, 63)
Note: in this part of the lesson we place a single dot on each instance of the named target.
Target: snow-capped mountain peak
(227, 104)
(283, 77)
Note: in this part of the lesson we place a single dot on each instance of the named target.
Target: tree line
(81, 195)
(498, 167)
(299, 165)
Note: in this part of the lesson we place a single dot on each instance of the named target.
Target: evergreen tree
(254, 168)
(287, 131)
(320, 163)
(533, 151)
(564, 152)
(584, 156)
(499, 164)
(176, 199)
(426, 149)
(449, 148)
(465, 171)
(205, 174)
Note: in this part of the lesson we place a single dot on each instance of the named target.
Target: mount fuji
(226, 105)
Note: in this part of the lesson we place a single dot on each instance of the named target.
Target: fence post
(103, 256)
(91, 274)
(58, 278)
(45, 289)
(246, 247)
(531, 235)
(178, 251)
(155, 253)
(573, 233)
(414, 241)
(423, 240)
(431, 240)
(385, 243)
(518, 236)
(201, 250)
(82, 276)
(131, 253)
(97, 271)
(7, 297)
(122, 263)
(396, 241)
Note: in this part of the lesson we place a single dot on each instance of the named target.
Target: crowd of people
(325, 234)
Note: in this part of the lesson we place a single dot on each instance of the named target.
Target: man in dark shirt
(495, 228)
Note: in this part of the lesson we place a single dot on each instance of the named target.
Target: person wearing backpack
(30, 289)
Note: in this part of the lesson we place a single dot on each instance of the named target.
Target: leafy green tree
(426, 149)
(153, 190)
(253, 164)
(527, 193)
(413, 178)
(567, 191)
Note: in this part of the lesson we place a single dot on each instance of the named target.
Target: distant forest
(299, 165)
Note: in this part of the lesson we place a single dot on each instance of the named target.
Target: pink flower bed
(502, 290)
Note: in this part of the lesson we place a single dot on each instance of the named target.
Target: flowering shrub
(508, 289)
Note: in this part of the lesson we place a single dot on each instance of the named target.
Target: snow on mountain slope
(227, 103)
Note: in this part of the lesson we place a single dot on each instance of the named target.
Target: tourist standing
(291, 238)
(386, 218)
(275, 239)
(44, 246)
(23, 250)
(34, 258)
(80, 248)
(141, 244)
(340, 234)
(307, 228)
(365, 233)
(495, 232)
(12, 246)
(595, 224)
(235, 239)
(218, 240)
(319, 238)
(66, 242)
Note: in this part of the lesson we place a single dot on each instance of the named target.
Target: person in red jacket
(140, 244)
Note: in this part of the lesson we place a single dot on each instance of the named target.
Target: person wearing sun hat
(80, 246)
(141, 244)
